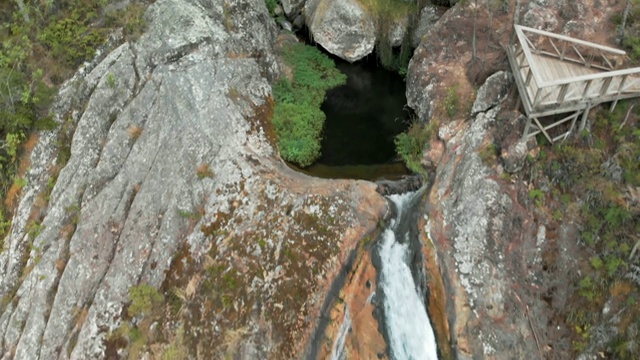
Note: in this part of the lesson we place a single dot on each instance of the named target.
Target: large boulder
(343, 27)
(492, 92)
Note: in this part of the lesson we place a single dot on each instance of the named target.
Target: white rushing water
(408, 325)
(337, 351)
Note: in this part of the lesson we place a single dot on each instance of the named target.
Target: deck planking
(571, 85)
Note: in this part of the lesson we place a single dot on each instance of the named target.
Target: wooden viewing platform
(557, 74)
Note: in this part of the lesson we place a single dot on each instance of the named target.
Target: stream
(407, 326)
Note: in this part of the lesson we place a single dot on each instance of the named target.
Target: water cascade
(408, 327)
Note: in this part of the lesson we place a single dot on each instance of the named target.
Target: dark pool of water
(363, 116)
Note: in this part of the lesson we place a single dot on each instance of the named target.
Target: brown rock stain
(363, 341)
(437, 295)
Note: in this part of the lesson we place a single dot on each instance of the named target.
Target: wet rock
(492, 92)
(397, 32)
(362, 339)
(406, 184)
(292, 7)
(342, 27)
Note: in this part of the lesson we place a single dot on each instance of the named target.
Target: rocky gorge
(175, 231)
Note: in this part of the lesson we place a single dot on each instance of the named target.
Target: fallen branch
(535, 335)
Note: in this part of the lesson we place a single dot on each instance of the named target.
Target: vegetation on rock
(411, 144)
(297, 119)
(389, 14)
(596, 177)
(42, 44)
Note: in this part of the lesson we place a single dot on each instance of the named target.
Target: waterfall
(337, 351)
(408, 325)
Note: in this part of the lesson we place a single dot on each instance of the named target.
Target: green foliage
(631, 40)
(271, 6)
(38, 54)
(594, 173)
(387, 13)
(489, 154)
(411, 144)
(144, 298)
(297, 119)
(131, 19)
(451, 101)
(72, 40)
(536, 195)
(112, 82)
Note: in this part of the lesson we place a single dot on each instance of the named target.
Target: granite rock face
(171, 158)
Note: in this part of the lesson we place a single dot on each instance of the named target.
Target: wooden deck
(557, 74)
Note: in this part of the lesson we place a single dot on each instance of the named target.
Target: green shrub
(271, 6)
(297, 119)
(411, 144)
(144, 298)
(451, 101)
(71, 40)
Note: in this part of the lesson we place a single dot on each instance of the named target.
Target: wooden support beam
(562, 93)
(583, 122)
(605, 86)
(586, 88)
(572, 126)
(620, 87)
(525, 134)
(579, 55)
(544, 131)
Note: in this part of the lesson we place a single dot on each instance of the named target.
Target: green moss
(297, 119)
(144, 298)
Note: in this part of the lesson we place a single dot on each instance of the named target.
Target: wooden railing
(609, 85)
(567, 48)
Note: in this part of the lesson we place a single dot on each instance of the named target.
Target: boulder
(343, 27)
(292, 7)
(492, 92)
(428, 18)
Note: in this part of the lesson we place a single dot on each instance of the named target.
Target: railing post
(586, 89)
(605, 86)
(564, 49)
(535, 99)
(615, 102)
(526, 83)
(563, 93)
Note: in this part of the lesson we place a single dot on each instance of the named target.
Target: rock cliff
(173, 181)
(494, 252)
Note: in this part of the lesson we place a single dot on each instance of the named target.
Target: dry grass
(203, 171)
(134, 131)
(233, 339)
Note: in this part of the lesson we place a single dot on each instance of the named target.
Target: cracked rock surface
(171, 151)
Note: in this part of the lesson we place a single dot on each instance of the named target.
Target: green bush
(71, 40)
(38, 54)
(411, 144)
(143, 298)
(297, 119)
(271, 6)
